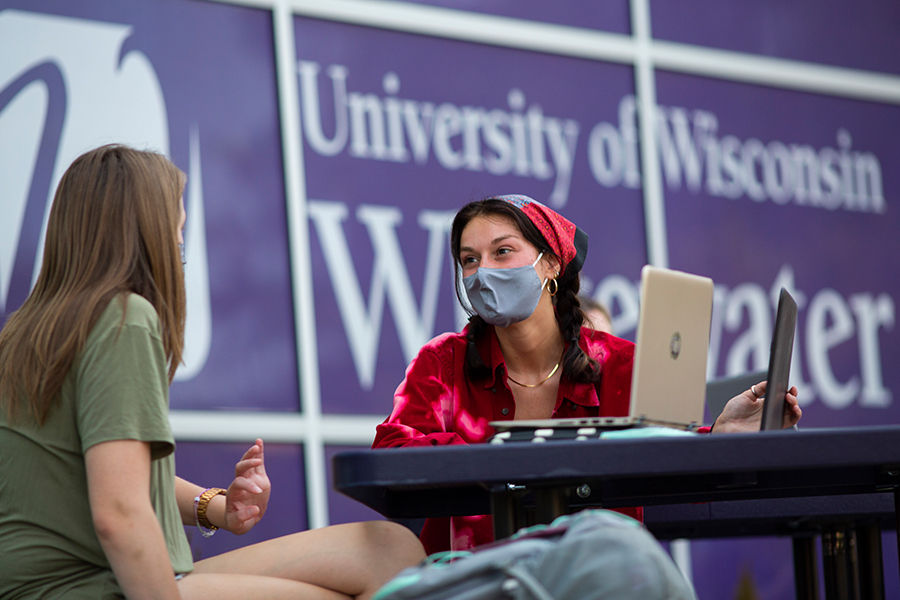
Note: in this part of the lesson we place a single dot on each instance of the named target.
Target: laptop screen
(669, 378)
(779, 362)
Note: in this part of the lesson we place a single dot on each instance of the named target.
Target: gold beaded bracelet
(201, 504)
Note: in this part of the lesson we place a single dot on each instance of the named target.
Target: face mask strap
(534, 264)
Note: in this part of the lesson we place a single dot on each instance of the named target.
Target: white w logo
(66, 86)
(390, 279)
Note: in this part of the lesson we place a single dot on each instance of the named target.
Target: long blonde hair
(112, 230)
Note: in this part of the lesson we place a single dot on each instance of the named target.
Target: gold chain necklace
(531, 385)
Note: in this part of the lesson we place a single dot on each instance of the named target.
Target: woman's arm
(424, 406)
(118, 476)
(185, 492)
(244, 504)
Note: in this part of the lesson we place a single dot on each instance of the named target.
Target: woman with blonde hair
(90, 506)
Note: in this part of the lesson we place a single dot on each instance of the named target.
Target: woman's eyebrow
(502, 238)
(494, 242)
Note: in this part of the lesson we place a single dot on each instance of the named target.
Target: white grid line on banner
(301, 269)
(597, 45)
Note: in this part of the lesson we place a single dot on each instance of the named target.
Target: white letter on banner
(680, 151)
(539, 167)
(827, 306)
(778, 173)
(807, 180)
(393, 109)
(496, 123)
(615, 291)
(754, 152)
(473, 117)
(312, 122)
(367, 117)
(870, 197)
(447, 125)
(754, 343)
(418, 119)
(563, 139)
(720, 295)
(605, 154)
(871, 315)
(732, 169)
(628, 129)
(390, 278)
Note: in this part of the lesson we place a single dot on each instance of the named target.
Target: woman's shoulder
(600, 343)
(447, 342)
(445, 349)
(128, 321)
(129, 309)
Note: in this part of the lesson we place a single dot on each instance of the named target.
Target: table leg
(835, 563)
(897, 518)
(871, 571)
(503, 511)
(806, 572)
(509, 510)
(551, 503)
(852, 562)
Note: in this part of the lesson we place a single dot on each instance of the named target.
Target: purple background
(606, 16)
(215, 64)
(739, 240)
(842, 33)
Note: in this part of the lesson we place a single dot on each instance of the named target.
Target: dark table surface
(771, 517)
(459, 480)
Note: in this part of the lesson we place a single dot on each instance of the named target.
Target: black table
(849, 527)
(525, 483)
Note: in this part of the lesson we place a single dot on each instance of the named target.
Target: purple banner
(613, 17)
(398, 137)
(194, 80)
(799, 197)
(763, 188)
(857, 35)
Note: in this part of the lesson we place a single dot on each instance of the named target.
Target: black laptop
(779, 362)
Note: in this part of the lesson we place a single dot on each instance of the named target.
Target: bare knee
(401, 542)
(389, 548)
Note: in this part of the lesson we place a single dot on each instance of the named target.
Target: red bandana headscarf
(567, 241)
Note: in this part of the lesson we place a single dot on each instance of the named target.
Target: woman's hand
(744, 412)
(248, 494)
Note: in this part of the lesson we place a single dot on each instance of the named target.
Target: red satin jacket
(437, 404)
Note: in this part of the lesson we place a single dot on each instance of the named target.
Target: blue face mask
(504, 296)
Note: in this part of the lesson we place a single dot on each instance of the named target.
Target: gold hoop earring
(554, 285)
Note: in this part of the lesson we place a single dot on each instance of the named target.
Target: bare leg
(225, 586)
(353, 559)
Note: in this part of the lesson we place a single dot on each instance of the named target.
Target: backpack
(592, 555)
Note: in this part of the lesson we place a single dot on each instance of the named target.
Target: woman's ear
(551, 266)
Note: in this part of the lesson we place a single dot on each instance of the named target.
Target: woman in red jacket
(525, 353)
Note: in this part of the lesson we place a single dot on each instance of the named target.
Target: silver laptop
(669, 377)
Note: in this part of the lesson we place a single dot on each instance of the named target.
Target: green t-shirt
(117, 389)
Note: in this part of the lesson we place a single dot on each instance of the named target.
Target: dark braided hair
(577, 366)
